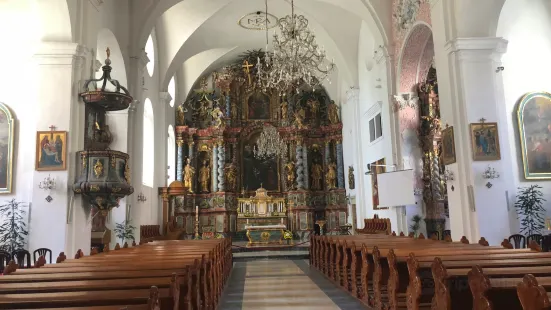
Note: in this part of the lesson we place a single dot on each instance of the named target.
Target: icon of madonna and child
(51, 150)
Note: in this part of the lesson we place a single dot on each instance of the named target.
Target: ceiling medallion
(258, 20)
(406, 13)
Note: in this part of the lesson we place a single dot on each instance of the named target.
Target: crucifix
(52, 129)
(482, 121)
(246, 69)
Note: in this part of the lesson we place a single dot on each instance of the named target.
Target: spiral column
(221, 160)
(299, 167)
(340, 166)
(180, 161)
(305, 164)
(214, 176)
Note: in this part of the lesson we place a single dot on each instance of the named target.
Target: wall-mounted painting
(51, 150)
(485, 141)
(258, 106)
(7, 126)
(534, 124)
(376, 168)
(448, 146)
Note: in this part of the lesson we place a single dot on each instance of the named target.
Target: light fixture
(142, 198)
(269, 144)
(490, 174)
(296, 58)
(47, 184)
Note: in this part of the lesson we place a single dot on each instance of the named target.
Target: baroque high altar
(218, 127)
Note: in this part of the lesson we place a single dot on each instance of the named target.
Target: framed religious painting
(7, 126)
(534, 125)
(51, 150)
(448, 146)
(377, 167)
(485, 141)
(257, 106)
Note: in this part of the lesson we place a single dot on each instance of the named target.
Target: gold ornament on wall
(127, 172)
(98, 168)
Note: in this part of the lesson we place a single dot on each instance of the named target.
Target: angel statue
(331, 176)
(299, 118)
(333, 113)
(217, 117)
(180, 115)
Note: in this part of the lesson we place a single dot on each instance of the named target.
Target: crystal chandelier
(296, 57)
(269, 143)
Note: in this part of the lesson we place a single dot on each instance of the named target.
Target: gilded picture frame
(51, 151)
(377, 167)
(448, 146)
(250, 115)
(534, 126)
(7, 136)
(485, 141)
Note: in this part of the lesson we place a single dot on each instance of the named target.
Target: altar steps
(243, 253)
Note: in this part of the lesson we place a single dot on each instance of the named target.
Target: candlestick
(196, 222)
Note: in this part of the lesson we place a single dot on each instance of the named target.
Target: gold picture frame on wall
(485, 141)
(51, 150)
(7, 129)
(448, 146)
(257, 105)
(377, 167)
(534, 125)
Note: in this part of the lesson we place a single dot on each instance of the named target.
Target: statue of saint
(189, 171)
(299, 118)
(284, 112)
(234, 112)
(231, 177)
(317, 172)
(217, 117)
(180, 114)
(204, 177)
(333, 113)
(331, 177)
(291, 175)
(314, 106)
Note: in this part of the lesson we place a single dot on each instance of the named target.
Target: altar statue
(189, 171)
(317, 172)
(204, 177)
(314, 107)
(217, 117)
(231, 177)
(284, 106)
(299, 118)
(181, 119)
(333, 113)
(234, 112)
(290, 167)
(331, 177)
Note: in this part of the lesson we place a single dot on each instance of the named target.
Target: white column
(161, 135)
(59, 72)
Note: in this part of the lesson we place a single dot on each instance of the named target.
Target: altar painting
(6, 149)
(258, 106)
(376, 169)
(51, 150)
(258, 172)
(534, 122)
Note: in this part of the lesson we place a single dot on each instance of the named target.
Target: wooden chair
(536, 237)
(447, 232)
(435, 233)
(22, 258)
(519, 241)
(5, 258)
(42, 252)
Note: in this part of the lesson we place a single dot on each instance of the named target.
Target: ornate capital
(407, 100)
(180, 143)
(165, 97)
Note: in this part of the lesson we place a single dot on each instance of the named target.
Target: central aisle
(282, 284)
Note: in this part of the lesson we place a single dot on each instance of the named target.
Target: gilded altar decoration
(231, 177)
(448, 146)
(180, 115)
(51, 150)
(217, 117)
(333, 113)
(284, 111)
(265, 236)
(98, 169)
(291, 176)
(189, 172)
(534, 123)
(127, 173)
(204, 177)
(7, 125)
(331, 177)
(485, 141)
(351, 180)
(317, 176)
(300, 115)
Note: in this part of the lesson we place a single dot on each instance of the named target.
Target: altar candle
(196, 209)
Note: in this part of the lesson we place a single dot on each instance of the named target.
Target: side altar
(261, 210)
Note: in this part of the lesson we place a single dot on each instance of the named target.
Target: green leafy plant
(529, 206)
(416, 224)
(13, 230)
(125, 231)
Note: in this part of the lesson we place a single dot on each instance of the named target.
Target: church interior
(275, 154)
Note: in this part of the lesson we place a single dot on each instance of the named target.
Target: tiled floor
(282, 284)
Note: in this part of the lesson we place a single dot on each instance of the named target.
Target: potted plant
(529, 206)
(13, 230)
(416, 224)
(125, 231)
(288, 236)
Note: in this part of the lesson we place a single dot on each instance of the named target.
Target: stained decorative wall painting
(376, 168)
(6, 149)
(51, 150)
(485, 141)
(534, 123)
(448, 146)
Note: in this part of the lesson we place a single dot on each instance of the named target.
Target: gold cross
(246, 69)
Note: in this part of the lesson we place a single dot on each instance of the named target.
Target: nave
(282, 284)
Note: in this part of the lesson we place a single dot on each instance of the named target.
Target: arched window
(147, 147)
(171, 155)
(150, 50)
(172, 91)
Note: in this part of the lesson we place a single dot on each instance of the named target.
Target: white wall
(526, 24)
